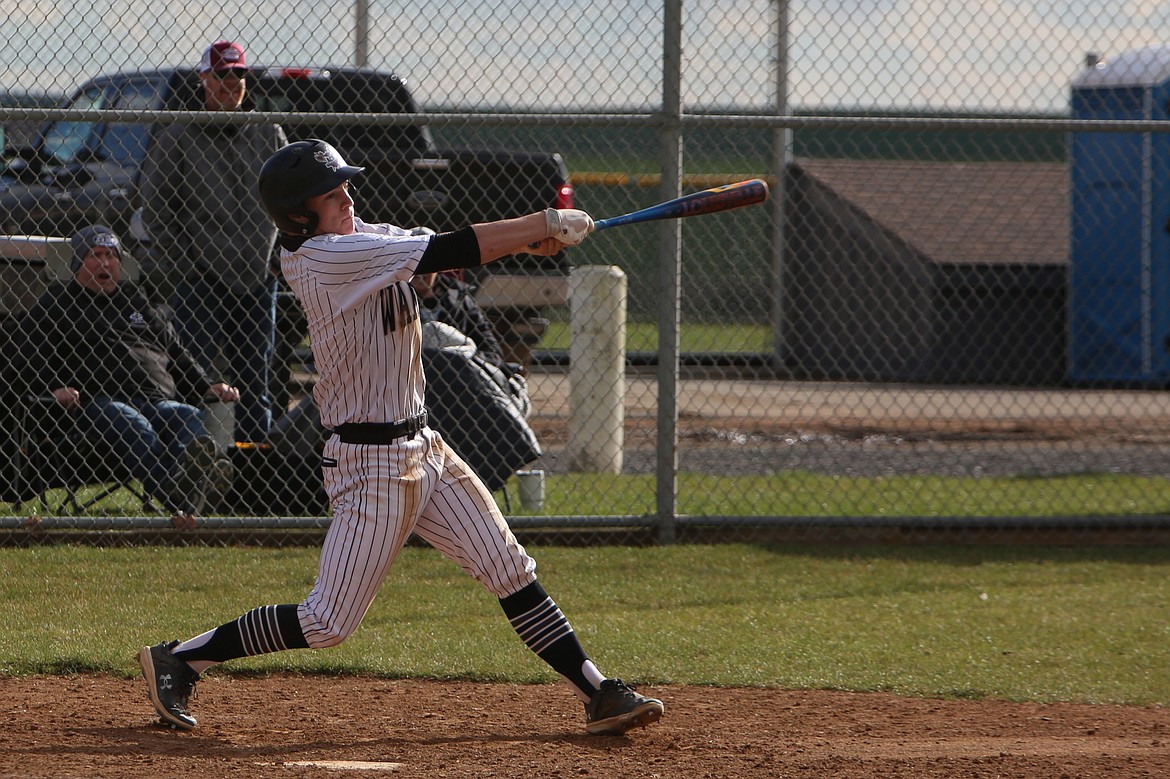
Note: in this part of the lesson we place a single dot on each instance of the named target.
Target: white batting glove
(568, 225)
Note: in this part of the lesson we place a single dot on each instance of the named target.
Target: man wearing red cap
(222, 70)
(210, 241)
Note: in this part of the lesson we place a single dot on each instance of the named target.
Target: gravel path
(761, 427)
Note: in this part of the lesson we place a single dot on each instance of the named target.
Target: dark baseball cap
(223, 55)
(87, 238)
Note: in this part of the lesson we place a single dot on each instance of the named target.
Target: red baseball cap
(221, 56)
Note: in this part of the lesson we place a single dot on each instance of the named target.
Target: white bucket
(531, 489)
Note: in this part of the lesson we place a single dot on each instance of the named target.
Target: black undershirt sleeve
(448, 251)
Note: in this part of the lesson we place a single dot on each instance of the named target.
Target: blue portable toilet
(1119, 265)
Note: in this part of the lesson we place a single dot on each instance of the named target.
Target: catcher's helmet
(294, 174)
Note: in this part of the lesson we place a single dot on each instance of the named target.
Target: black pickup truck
(84, 172)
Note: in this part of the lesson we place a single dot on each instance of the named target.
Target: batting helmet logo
(332, 161)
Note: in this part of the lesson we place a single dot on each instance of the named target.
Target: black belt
(380, 433)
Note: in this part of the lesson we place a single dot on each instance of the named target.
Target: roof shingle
(956, 213)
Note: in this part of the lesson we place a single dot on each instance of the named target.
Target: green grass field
(1040, 624)
(643, 337)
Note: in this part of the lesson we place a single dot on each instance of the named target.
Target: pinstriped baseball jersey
(363, 323)
(367, 345)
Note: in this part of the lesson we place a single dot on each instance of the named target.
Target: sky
(993, 55)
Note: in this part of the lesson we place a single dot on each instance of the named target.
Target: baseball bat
(708, 201)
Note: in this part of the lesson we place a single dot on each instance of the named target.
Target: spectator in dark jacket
(97, 346)
(210, 240)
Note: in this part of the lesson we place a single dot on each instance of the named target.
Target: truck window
(63, 140)
(120, 142)
(126, 142)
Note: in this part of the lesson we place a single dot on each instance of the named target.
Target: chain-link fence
(948, 317)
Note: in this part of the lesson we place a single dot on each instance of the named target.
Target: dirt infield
(85, 726)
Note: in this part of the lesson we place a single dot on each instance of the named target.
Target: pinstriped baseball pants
(380, 494)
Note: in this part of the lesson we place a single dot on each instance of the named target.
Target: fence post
(669, 277)
(781, 157)
(597, 368)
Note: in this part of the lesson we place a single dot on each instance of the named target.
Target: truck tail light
(565, 195)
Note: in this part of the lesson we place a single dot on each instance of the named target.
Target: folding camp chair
(53, 454)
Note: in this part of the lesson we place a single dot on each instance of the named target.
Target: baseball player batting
(386, 472)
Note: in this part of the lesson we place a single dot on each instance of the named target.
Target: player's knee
(324, 632)
(502, 587)
(328, 639)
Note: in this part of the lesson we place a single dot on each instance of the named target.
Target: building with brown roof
(927, 271)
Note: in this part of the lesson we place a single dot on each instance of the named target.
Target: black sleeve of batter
(448, 251)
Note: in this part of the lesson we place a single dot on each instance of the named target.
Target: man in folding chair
(117, 367)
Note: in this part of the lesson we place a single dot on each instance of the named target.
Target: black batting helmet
(294, 174)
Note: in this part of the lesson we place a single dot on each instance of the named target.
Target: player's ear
(304, 219)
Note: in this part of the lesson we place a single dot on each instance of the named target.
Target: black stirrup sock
(260, 631)
(545, 630)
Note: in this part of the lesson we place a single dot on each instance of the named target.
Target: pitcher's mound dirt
(294, 726)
